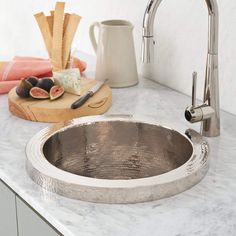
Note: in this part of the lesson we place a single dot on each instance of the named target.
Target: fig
(45, 83)
(23, 89)
(39, 93)
(32, 79)
(56, 92)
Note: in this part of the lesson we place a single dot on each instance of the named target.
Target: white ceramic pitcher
(115, 51)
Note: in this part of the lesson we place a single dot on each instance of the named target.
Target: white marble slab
(207, 209)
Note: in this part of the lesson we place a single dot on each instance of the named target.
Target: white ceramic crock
(116, 60)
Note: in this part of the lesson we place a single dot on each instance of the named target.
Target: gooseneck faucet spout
(208, 112)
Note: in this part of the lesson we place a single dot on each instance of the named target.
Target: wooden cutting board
(59, 110)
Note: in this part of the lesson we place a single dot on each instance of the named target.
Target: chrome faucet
(208, 112)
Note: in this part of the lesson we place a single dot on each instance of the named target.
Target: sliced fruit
(23, 89)
(56, 92)
(32, 79)
(39, 93)
(45, 83)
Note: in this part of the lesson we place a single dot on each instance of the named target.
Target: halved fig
(56, 92)
(39, 93)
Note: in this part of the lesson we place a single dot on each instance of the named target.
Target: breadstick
(69, 36)
(45, 31)
(57, 36)
(66, 20)
(50, 23)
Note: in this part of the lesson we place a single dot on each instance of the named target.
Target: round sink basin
(117, 150)
(116, 159)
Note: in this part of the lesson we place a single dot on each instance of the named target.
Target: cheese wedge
(69, 79)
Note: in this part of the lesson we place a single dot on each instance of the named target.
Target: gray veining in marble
(209, 208)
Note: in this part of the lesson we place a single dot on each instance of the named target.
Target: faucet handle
(194, 89)
(198, 113)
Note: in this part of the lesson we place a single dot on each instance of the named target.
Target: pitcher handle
(92, 35)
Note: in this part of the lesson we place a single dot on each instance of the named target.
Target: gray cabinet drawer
(8, 223)
(30, 223)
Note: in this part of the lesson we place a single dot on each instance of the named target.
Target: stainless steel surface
(82, 100)
(116, 159)
(194, 89)
(147, 49)
(210, 120)
(196, 113)
(96, 87)
(117, 150)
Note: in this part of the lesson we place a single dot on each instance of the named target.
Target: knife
(88, 95)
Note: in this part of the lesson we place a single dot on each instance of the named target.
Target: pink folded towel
(21, 67)
(6, 86)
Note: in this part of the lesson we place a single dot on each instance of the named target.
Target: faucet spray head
(148, 49)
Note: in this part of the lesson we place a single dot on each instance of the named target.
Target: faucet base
(210, 127)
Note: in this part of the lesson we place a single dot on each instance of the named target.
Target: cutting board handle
(99, 103)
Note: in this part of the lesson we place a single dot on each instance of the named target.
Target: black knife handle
(80, 102)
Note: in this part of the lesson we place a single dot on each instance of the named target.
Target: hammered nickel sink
(116, 159)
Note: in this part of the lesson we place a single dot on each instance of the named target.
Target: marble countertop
(209, 208)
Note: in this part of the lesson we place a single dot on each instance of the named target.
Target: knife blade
(80, 102)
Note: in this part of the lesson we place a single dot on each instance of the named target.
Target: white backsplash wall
(180, 33)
